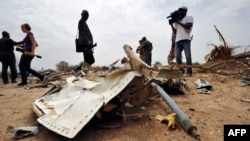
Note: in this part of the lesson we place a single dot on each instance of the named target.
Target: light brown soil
(208, 112)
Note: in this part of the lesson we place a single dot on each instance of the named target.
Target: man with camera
(183, 25)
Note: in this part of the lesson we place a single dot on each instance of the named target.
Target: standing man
(183, 38)
(147, 50)
(8, 58)
(86, 41)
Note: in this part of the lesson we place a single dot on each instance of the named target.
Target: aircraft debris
(93, 97)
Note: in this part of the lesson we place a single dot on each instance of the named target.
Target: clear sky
(114, 23)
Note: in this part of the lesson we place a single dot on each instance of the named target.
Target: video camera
(26, 52)
(174, 16)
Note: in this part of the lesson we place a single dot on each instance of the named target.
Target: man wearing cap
(183, 29)
(8, 58)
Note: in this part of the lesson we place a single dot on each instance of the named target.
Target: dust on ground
(208, 112)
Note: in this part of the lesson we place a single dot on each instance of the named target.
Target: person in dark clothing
(8, 58)
(147, 50)
(86, 40)
(140, 50)
(29, 46)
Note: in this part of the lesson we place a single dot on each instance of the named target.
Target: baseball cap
(183, 7)
(144, 38)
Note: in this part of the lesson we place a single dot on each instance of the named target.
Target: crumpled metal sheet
(24, 131)
(246, 78)
(69, 110)
(202, 83)
(203, 86)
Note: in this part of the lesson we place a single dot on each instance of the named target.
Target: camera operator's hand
(19, 49)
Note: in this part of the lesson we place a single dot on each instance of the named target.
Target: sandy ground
(208, 112)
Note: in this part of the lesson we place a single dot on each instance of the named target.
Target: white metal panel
(69, 110)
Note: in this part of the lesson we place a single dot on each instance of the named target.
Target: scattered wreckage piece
(21, 132)
(186, 123)
(174, 86)
(245, 100)
(137, 92)
(203, 86)
(246, 78)
(169, 118)
(56, 87)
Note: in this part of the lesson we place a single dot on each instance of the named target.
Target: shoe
(45, 80)
(21, 84)
(7, 82)
(13, 81)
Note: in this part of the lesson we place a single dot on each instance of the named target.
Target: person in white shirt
(183, 29)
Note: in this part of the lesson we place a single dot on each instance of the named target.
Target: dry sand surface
(208, 112)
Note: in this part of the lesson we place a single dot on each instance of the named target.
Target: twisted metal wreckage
(86, 99)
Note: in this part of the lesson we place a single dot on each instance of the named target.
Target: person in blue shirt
(29, 44)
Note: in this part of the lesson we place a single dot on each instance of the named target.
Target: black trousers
(8, 60)
(24, 67)
(89, 57)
